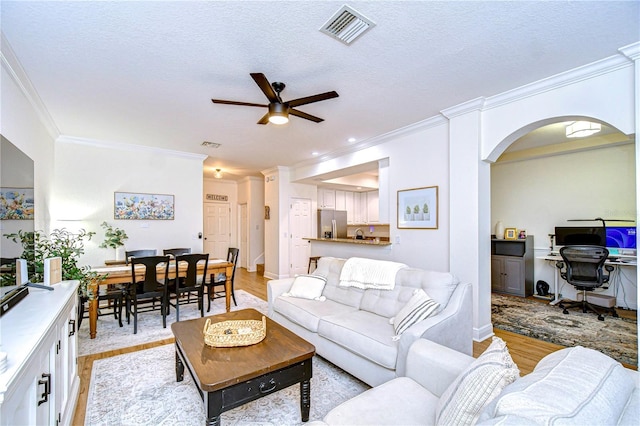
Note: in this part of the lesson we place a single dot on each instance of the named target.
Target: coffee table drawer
(253, 389)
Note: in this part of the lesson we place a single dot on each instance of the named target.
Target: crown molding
(631, 51)
(128, 147)
(13, 67)
(476, 104)
(573, 76)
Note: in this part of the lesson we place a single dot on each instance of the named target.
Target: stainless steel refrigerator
(332, 224)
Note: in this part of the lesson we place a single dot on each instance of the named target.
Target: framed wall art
(16, 203)
(418, 208)
(134, 205)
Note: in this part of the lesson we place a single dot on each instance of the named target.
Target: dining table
(121, 274)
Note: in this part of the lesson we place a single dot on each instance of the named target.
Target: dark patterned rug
(616, 337)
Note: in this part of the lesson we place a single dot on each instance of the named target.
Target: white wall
(542, 193)
(87, 175)
(251, 192)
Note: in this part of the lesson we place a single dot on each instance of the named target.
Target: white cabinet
(373, 207)
(360, 207)
(40, 385)
(326, 198)
(341, 200)
(350, 207)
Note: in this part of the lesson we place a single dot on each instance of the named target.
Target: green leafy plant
(113, 237)
(37, 247)
(408, 210)
(425, 208)
(416, 209)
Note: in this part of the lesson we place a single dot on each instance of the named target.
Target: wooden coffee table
(229, 377)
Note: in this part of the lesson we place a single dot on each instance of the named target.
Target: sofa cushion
(307, 287)
(571, 386)
(477, 385)
(419, 307)
(363, 333)
(438, 285)
(307, 313)
(400, 401)
(330, 267)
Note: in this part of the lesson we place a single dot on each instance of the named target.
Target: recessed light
(351, 140)
(314, 153)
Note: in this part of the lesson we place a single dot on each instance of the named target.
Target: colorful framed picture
(510, 234)
(133, 205)
(16, 203)
(418, 208)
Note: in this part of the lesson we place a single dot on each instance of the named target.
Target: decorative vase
(499, 230)
(120, 253)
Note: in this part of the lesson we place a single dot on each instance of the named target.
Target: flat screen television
(623, 237)
(580, 235)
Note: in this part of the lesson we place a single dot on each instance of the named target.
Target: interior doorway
(299, 228)
(217, 229)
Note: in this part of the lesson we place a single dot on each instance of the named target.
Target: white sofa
(573, 386)
(352, 328)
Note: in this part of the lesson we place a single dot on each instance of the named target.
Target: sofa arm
(452, 327)
(435, 366)
(275, 288)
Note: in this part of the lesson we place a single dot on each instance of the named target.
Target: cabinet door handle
(72, 327)
(47, 387)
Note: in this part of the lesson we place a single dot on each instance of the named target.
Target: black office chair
(218, 280)
(193, 282)
(138, 253)
(583, 267)
(150, 290)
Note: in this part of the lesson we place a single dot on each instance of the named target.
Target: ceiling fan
(278, 110)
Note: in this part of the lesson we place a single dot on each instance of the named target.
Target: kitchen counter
(367, 242)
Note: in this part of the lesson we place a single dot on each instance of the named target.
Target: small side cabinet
(512, 266)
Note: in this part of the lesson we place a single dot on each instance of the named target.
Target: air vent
(347, 25)
(211, 144)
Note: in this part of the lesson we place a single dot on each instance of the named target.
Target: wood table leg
(227, 288)
(93, 309)
(305, 399)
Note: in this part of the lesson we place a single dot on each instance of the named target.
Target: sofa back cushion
(330, 267)
(571, 386)
(438, 285)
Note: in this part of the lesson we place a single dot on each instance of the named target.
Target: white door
(299, 228)
(243, 261)
(217, 229)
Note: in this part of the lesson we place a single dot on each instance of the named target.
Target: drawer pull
(263, 386)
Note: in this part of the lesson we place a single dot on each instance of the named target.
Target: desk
(616, 260)
(122, 274)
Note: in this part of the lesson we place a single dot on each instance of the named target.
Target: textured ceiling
(144, 72)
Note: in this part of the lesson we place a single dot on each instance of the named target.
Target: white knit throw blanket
(368, 273)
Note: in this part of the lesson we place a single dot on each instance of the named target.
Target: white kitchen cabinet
(360, 207)
(341, 200)
(350, 206)
(40, 385)
(326, 198)
(373, 207)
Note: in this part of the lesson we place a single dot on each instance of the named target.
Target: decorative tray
(229, 334)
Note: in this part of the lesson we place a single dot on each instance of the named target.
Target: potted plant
(425, 212)
(416, 213)
(407, 214)
(113, 238)
(37, 247)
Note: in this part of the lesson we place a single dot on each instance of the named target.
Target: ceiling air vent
(347, 25)
(210, 144)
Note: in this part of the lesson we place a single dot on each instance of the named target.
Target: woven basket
(229, 334)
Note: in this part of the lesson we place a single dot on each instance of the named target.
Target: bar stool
(314, 260)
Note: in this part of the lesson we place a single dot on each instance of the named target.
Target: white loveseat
(573, 386)
(351, 328)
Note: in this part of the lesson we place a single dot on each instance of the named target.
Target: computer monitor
(580, 235)
(623, 237)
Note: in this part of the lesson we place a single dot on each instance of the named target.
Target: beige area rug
(111, 336)
(140, 388)
(616, 337)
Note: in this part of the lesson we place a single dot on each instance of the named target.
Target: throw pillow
(307, 287)
(419, 307)
(462, 402)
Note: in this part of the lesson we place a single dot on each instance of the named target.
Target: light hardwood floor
(526, 352)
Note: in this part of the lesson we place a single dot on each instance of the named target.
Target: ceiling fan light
(581, 129)
(278, 114)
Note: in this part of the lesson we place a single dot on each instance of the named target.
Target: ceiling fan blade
(305, 115)
(311, 99)
(265, 86)
(264, 119)
(220, 101)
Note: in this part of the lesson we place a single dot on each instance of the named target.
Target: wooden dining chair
(138, 253)
(219, 280)
(151, 289)
(192, 282)
(176, 251)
